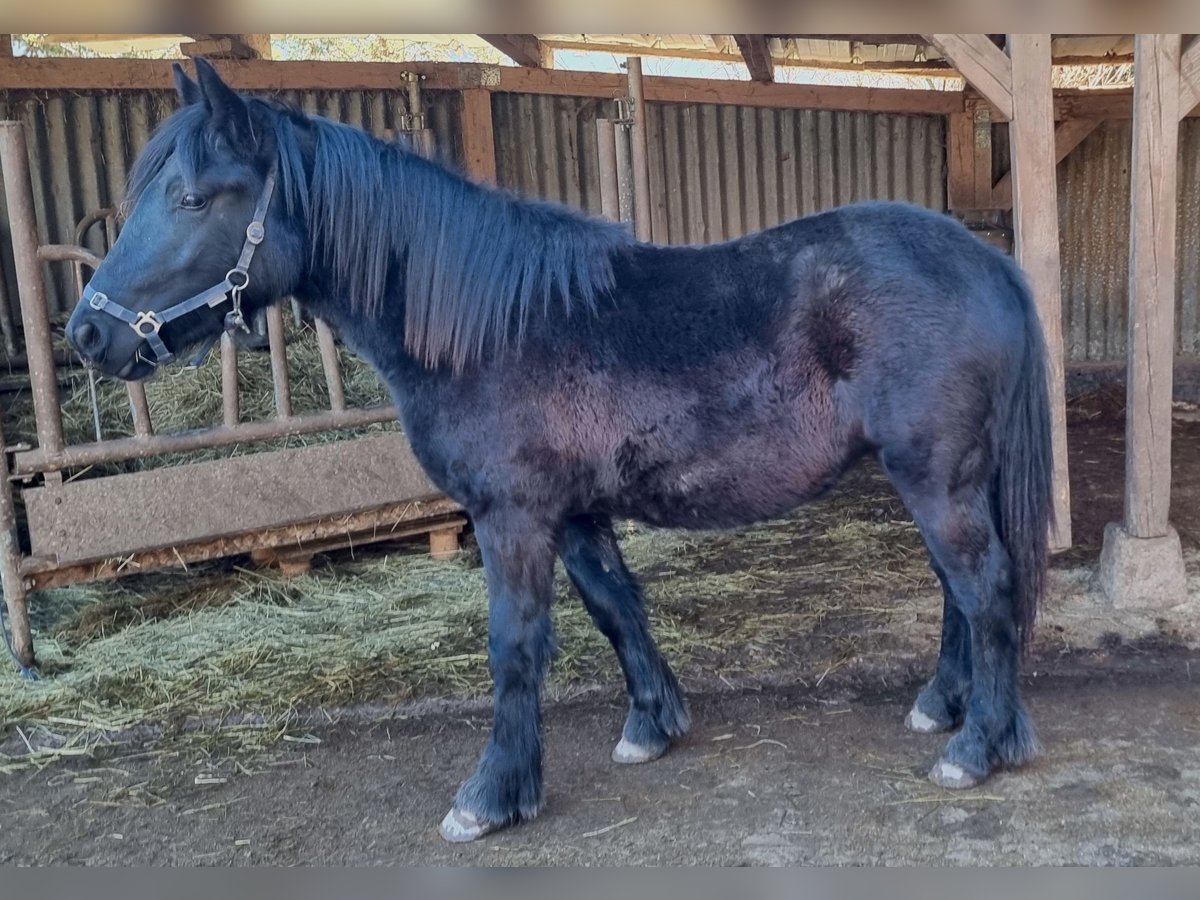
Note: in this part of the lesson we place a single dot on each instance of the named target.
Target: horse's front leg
(518, 556)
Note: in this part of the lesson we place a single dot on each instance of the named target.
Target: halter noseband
(147, 324)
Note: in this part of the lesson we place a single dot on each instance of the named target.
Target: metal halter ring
(233, 285)
(255, 232)
(147, 318)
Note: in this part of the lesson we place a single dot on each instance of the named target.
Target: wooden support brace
(756, 51)
(228, 46)
(1189, 78)
(1035, 217)
(523, 49)
(1067, 136)
(982, 64)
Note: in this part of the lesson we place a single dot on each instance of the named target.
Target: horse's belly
(743, 483)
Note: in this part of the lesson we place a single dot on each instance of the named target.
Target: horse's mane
(474, 263)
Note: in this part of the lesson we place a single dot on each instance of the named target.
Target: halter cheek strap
(147, 324)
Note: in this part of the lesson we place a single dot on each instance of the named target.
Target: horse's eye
(192, 201)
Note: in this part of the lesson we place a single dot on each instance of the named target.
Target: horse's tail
(1024, 507)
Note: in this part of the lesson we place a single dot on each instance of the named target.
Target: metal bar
(279, 370)
(15, 596)
(331, 365)
(139, 407)
(231, 410)
(606, 159)
(6, 322)
(624, 174)
(640, 153)
(31, 462)
(14, 158)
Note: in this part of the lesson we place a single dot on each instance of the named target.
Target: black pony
(554, 374)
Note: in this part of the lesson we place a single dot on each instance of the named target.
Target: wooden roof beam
(756, 51)
(984, 65)
(228, 46)
(523, 49)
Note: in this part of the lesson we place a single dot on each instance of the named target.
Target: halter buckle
(150, 319)
(97, 300)
(255, 232)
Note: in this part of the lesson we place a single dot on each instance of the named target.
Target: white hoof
(461, 826)
(920, 723)
(628, 753)
(948, 775)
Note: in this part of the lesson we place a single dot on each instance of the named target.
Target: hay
(185, 399)
(228, 643)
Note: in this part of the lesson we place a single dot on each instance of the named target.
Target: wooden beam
(282, 75)
(6, 46)
(478, 136)
(1189, 78)
(523, 49)
(1035, 219)
(982, 64)
(756, 51)
(1151, 284)
(969, 166)
(228, 46)
(1067, 136)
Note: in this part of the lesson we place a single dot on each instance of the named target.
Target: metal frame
(369, 489)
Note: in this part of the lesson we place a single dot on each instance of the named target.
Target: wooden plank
(284, 75)
(1151, 284)
(756, 51)
(6, 46)
(478, 136)
(1035, 219)
(1067, 136)
(1189, 78)
(960, 161)
(523, 49)
(981, 135)
(113, 516)
(982, 64)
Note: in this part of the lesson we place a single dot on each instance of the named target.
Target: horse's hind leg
(958, 526)
(941, 705)
(657, 711)
(518, 555)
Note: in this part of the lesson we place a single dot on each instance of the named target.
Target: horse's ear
(230, 113)
(189, 92)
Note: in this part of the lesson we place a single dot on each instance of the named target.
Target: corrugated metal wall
(1093, 187)
(717, 172)
(82, 144)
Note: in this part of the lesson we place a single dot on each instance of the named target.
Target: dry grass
(232, 644)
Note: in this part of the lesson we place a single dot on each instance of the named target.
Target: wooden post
(969, 157)
(1035, 219)
(6, 46)
(478, 136)
(1142, 562)
(1151, 339)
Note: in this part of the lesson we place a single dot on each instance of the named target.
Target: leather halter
(147, 324)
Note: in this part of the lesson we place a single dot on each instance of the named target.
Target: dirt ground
(808, 762)
(785, 775)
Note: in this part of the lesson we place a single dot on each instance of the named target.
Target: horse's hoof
(922, 724)
(628, 753)
(952, 776)
(461, 827)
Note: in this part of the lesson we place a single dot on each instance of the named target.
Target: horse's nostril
(87, 338)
